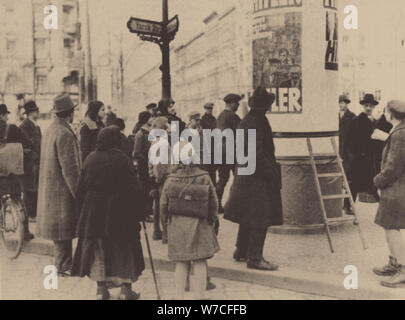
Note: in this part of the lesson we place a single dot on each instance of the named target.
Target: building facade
(37, 63)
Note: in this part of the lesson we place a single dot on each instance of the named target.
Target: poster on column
(331, 56)
(277, 62)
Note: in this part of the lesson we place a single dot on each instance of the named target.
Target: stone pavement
(23, 278)
(306, 263)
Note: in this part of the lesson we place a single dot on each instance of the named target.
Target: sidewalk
(306, 264)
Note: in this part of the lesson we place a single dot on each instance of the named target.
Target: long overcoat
(362, 151)
(391, 181)
(255, 200)
(59, 176)
(344, 123)
(32, 132)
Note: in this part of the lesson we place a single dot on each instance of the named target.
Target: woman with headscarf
(92, 124)
(255, 200)
(109, 197)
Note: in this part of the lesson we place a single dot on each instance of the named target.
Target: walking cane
(151, 260)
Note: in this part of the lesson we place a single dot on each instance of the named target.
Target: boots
(397, 281)
(102, 291)
(238, 256)
(388, 270)
(127, 293)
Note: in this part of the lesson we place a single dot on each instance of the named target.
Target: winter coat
(255, 200)
(362, 152)
(383, 125)
(12, 184)
(32, 132)
(190, 238)
(391, 181)
(60, 167)
(344, 123)
(109, 197)
(227, 120)
(208, 122)
(88, 136)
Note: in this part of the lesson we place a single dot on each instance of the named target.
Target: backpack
(11, 157)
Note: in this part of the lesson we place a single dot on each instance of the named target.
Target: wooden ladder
(323, 198)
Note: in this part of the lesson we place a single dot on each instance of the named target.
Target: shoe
(262, 265)
(102, 294)
(238, 257)
(388, 270)
(129, 296)
(157, 236)
(65, 274)
(397, 281)
(210, 285)
(149, 219)
(28, 236)
(221, 210)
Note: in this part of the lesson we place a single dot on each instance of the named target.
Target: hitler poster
(277, 59)
(331, 55)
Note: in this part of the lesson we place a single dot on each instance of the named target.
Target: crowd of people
(98, 185)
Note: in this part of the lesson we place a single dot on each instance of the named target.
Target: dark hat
(63, 103)
(108, 138)
(120, 123)
(369, 98)
(261, 99)
(151, 106)
(30, 106)
(232, 97)
(194, 115)
(396, 106)
(209, 106)
(344, 98)
(3, 109)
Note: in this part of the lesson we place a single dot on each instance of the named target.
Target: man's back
(228, 120)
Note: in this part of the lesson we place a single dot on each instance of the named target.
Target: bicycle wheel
(12, 227)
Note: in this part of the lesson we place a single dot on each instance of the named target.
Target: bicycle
(12, 216)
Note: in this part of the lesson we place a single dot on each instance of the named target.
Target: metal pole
(90, 87)
(34, 56)
(165, 47)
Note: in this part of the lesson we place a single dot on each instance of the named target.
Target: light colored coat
(60, 168)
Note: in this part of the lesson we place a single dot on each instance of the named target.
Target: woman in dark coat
(255, 200)
(92, 124)
(109, 247)
(391, 185)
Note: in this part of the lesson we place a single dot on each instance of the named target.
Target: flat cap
(194, 115)
(209, 106)
(151, 106)
(397, 106)
(232, 97)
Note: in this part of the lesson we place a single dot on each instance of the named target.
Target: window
(42, 82)
(10, 47)
(40, 48)
(68, 45)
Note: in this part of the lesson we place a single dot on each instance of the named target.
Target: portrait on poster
(277, 59)
(331, 56)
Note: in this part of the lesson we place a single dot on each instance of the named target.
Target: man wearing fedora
(11, 184)
(30, 179)
(345, 118)
(228, 119)
(209, 122)
(60, 168)
(361, 149)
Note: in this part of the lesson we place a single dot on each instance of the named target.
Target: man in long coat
(345, 118)
(255, 200)
(361, 149)
(31, 161)
(60, 169)
(228, 119)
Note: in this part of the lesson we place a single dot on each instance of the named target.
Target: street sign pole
(165, 48)
(161, 33)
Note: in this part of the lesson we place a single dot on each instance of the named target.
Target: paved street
(23, 279)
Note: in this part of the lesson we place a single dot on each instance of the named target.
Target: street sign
(145, 27)
(173, 25)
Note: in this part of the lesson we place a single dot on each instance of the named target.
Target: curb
(328, 285)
